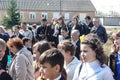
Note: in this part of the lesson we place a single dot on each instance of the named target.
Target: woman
(93, 59)
(114, 57)
(38, 49)
(21, 67)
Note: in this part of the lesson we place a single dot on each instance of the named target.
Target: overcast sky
(107, 5)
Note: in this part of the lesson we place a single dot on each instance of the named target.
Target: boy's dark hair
(25, 39)
(88, 17)
(65, 29)
(53, 57)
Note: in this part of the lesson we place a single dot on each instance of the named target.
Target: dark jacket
(101, 33)
(5, 76)
(77, 50)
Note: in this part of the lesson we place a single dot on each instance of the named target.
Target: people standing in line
(75, 39)
(115, 56)
(3, 74)
(70, 61)
(99, 30)
(21, 67)
(51, 65)
(93, 59)
(89, 24)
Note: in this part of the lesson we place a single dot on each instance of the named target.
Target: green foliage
(13, 16)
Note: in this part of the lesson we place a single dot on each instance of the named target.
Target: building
(32, 11)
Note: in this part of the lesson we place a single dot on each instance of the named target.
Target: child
(51, 65)
(27, 43)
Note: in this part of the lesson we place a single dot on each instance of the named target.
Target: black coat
(77, 49)
(5, 76)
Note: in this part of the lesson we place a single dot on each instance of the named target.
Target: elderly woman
(21, 67)
(93, 59)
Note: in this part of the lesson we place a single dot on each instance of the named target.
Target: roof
(66, 5)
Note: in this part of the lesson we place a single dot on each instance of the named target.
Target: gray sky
(107, 5)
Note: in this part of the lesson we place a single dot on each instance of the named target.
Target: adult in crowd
(115, 56)
(89, 24)
(44, 32)
(21, 67)
(3, 74)
(70, 61)
(93, 59)
(77, 25)
(75, 39)
(16, 32)
(25, 31)
(99, 30)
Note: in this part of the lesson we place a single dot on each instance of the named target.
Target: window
(67, 16)
(21, 15)
(32, 15)
(44, 15)
(55, 15)
(82, 16)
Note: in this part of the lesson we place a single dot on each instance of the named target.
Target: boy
(51, 65)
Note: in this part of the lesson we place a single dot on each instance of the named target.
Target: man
(76, 41)
(44, 31)
(25, 32)
(99, 30)
(89, 24)
(16, 32)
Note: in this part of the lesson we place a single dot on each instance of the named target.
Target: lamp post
(60, 7)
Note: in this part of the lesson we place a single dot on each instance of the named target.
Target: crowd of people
(55, 51)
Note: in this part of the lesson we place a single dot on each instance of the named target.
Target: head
(116, 40)
(60, 20)
(91, 49)
(96, 22)
(15, 44)
(88, 19)
(44, 22)
(51, 63)
(75, 20)
(75, 34)
(27, 42)
(67, 49)
(64, 32)
(39, 48)
(34, 26)
(24, 26)
(2, 48)
(16, 29)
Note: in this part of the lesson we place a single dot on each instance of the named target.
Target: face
(74, 37)
(87, 21)
(36, 54)
(96, 23)
(13, 49)
(63, 33)
(2, 52)
(23, 27)
(87, 54)
(117, 41)
(47, 71)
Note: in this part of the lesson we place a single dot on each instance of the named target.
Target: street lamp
(60, 7)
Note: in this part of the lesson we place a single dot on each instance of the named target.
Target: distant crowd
(59, 51)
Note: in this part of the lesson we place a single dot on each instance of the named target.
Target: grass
(110, 30)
